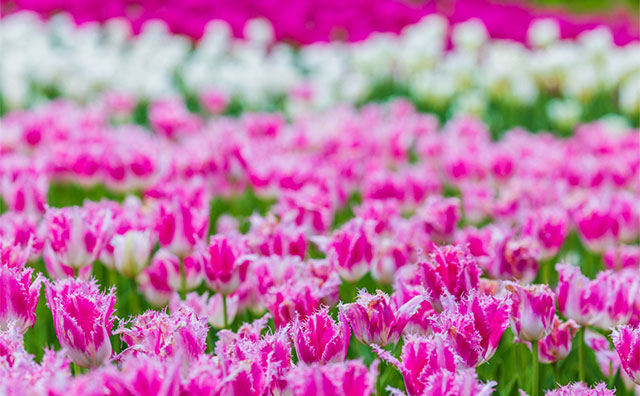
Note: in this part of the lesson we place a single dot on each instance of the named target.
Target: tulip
(626, 339)
(550, 228)
(18, 298)
(180, 226)
(373, 319)
(461, 383)
(439, 217)
(556, 345)
(474, 326)
(290, 301)
(533, 309)
(421, 358)
(225, 267)
(581, 389)
(131, 252)
(82, 320)
(579, 298)
(351, 250)
(76, 235)
(319, 339)
(450, 271)
(163, 336)
(351, 378)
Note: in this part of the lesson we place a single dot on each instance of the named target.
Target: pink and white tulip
(82, 317)
(533, 309)
(319, 339)
(627, 342)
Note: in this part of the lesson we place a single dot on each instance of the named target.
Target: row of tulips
(349, 252)
(445, 69)
(305, 22)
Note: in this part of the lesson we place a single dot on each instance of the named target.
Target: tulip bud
(82, 320)
(532, 311)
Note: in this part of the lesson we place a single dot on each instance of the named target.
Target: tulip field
(322, 198)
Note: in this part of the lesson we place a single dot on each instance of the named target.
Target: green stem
(183, 281)
(556, 373)
(135, 301)
(76, 270)
(112, 276)
(224, 311)
(581, 353)
(76, 369)
(535, 385)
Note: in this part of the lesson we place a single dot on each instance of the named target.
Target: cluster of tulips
(345, 252)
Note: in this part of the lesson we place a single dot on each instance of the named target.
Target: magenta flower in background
(180, 225)
(556, 345)
(533, 309)
(375, 321)
(627, 342)
(451, 270)
(225, 265)
(18, 298)
(82, 317)
(351, 251)
(549, 227)
(319, 339)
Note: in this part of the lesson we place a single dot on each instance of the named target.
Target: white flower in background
(472, 103)
(543, 32)
(629, 96)
(131, 252)
(582, 83)
(259, 31)
(564, 114)
(470, 35)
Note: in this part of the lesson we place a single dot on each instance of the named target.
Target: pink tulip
(18, 298)
(76, 235)
(580, 389)
(351, 250)
(474, 326)
(163, 336)
(627, 342)
(319, 339)
(578, 297)
(179, 225)
(450, 271)
(533, 309)
(549, 227)
(82, 320)
(290, 301)
(421, 358)
(157, 280)
(439, 217)
(622, 256)
(461, 383)
(556, 345)
(375, 321)
(225, 265)
(351, 378)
